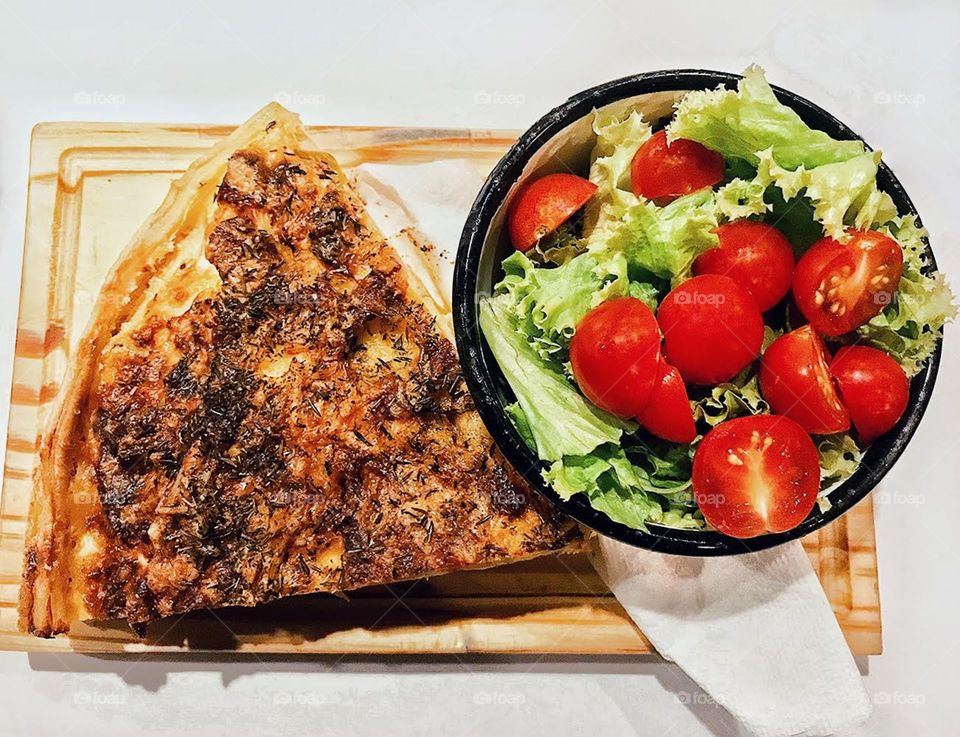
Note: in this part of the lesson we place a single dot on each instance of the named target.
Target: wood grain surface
(91, 185)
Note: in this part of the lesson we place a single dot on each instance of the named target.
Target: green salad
(628, 229)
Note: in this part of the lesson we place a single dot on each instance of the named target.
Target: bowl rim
(480, 369)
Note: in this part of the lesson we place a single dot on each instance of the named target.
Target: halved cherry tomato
(543, 205)
(668, 414)
(663, 173)
(758, 257)
(712, 328)
(615, 353)
(839, 286)
(796, 381)
(874, 388)
(756, 474)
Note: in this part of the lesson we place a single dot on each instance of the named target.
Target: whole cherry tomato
(712, 328)
(615, 354)
(758, 257)
(874, 388)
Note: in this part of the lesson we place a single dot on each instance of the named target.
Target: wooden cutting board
(91, 185)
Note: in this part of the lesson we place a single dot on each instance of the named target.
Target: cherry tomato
(756, 474)
(663, 173)
(839, 286)
(668, 414)
(758, 257)
(874, 388)
(543, 205)
(712, 328)
(796, 381)
(615, 353)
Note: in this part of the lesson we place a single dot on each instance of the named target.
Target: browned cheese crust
(304, 428)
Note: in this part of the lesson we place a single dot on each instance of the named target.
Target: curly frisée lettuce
(618, 139)
(742, 198)
(839, 458)
(843, 194)
(780, 171)
(547, 303)
(742, 123)
(909, 327)
(662, 241)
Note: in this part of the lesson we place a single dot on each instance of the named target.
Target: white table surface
(890, 69)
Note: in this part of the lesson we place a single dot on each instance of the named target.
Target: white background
(889, 69)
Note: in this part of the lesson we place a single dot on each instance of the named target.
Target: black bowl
(547, 147)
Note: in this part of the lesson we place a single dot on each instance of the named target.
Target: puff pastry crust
(266, 403)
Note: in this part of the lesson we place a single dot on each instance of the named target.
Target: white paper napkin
(755, 631)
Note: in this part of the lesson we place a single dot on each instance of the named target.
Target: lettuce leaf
(843, 194)
(663, 241)
(742, 198)
(909, 328)
(519, 419)
(635, 486)
(794, 218)
(560, 246)
(729, 400)
(631, 509)
(741, 124)
(549, 302)
(618, 139)
(839, 458)
(662, 467)
(559, 420)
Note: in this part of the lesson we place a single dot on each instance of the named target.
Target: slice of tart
(266, 403)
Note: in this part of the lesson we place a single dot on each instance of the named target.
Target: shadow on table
(151, 671)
